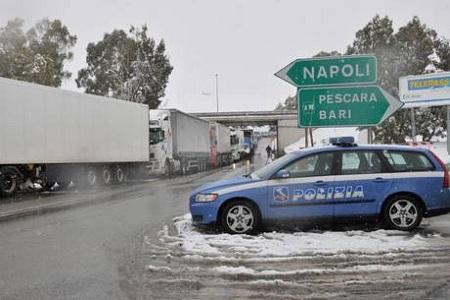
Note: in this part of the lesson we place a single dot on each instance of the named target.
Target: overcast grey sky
(244, 41)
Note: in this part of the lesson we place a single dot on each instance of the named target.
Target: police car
(398, 184)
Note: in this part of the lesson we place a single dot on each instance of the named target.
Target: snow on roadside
(321, 137)
(440, 149)
(241, 270)
(277, 244)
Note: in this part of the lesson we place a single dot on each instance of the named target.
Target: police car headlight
(205, 197)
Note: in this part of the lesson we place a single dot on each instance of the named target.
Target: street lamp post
(217, 92)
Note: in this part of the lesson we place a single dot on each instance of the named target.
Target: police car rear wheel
(239, 217)
(403, 213)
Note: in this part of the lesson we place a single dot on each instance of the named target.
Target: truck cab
(161, 157)
(179, 142)
(248, 142)
(234, 142)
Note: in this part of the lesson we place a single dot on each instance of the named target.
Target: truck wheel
(107, 176)
(64, 185)
(119, 177)
(49, 185)
(403, 212)
(239, 217)
(9, 181)
(167, 169)
(183, 168)
(88, 179)
(204, 165)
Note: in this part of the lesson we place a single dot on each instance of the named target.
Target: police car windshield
(273, 167)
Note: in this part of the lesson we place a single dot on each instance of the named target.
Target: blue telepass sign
(425, 90)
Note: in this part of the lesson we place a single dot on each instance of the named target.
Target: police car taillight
(446, 184)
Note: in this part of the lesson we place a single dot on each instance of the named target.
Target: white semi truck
(179, 142)
(235, 144)
(52, 135)
(220, 144)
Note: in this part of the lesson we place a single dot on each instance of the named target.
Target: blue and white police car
(397, 184)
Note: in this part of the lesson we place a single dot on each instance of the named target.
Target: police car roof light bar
(344, 141)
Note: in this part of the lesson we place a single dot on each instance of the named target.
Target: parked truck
(235, 144)
(50, 135)
(287, 134)
(179, 142)
(249, 143)
(220, 144)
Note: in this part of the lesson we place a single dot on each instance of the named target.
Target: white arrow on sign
(394, 104)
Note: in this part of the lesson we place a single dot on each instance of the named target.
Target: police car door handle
(320, 183)
(380, 179)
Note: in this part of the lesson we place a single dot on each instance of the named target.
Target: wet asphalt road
(90, 252)
(93, 251)
(102, 251)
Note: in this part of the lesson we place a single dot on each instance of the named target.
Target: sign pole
(413, 125)
(306, 138)
(369, 135)
(217, 92)
(448, 126)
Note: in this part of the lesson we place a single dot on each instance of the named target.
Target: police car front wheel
(239, 217)
(403, 213)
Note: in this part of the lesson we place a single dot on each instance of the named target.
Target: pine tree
(50, 42)
(130, 66)
(39, 55)
(406, 52)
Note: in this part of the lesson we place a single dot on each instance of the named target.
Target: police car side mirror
(283, 173)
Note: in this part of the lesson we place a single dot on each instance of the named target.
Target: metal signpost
(338, 91)
(448, 126)
(345, 106)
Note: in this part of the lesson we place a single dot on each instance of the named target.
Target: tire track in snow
(224, 269)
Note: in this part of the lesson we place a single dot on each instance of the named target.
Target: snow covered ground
(279, 244)
(184, 262)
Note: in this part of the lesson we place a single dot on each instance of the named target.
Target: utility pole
(306, 138)
(217, 92)
(369, 135)
(448, 129)
(413, 125)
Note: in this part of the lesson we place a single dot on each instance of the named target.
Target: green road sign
(331, 71)
(345, 106)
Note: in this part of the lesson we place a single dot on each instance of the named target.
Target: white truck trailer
(288, 133)
(220, 143)
(53, 135)
(179, 142)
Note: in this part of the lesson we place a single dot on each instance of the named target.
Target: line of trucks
(50, 135)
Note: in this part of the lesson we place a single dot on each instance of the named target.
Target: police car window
(313, 165)
(408, 161)
(269, 169)
(360, 162)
